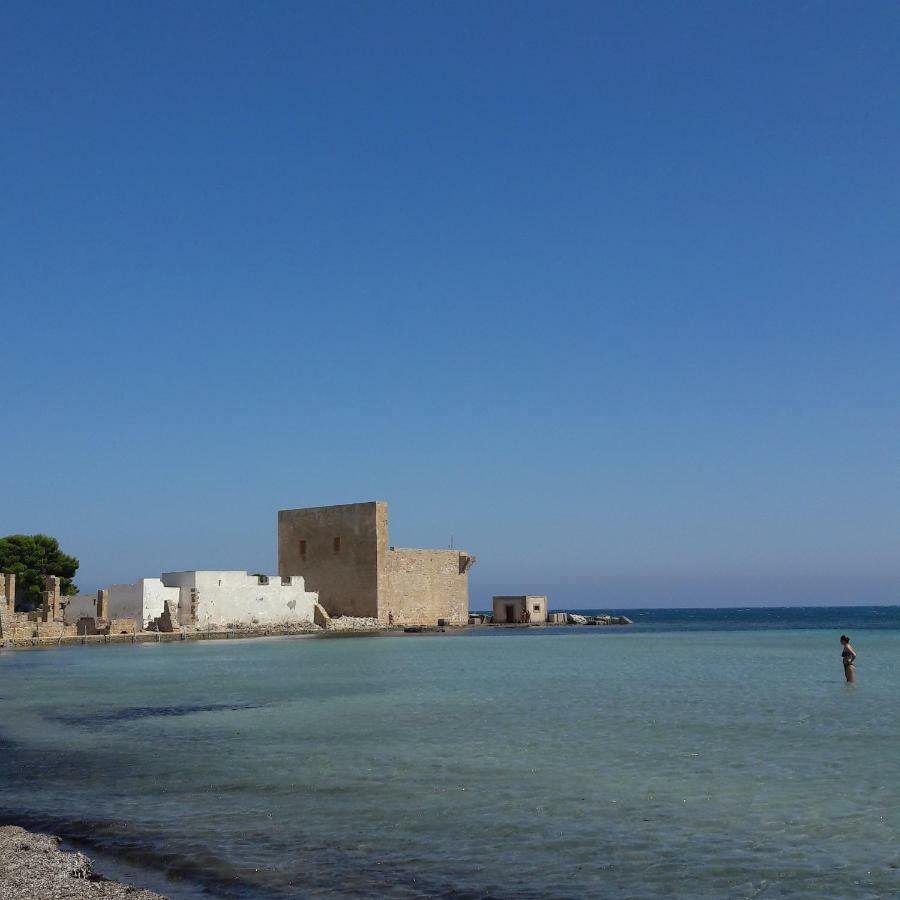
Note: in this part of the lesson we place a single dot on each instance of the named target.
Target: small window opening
(302, 549)
(337, 545)
(262, 579)
(285, 579)
(537, 607)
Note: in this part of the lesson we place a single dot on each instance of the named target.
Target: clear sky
(609, 291)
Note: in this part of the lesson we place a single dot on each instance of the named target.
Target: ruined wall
(339, 553)
(121, 626)
(77, 607)
(54, 630)
(5, 617)
(126, 601)
(9, 589)
(20, 629)
(51, 598)
(142, 601)
(424, 586)
(234, 597)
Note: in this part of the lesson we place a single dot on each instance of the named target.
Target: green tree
(32, 556)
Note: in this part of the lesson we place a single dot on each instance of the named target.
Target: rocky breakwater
(576, 619)
(354, 623)
(254, 629)
(32, 867)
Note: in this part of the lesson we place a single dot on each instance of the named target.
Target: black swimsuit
(848, 657)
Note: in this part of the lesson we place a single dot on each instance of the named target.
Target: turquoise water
(607, 763)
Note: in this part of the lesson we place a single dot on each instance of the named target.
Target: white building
(211, 598)
(222, 598)
(142, 601)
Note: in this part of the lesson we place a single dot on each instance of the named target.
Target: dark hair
(845, 638)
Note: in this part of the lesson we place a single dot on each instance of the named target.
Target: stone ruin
(48, 620)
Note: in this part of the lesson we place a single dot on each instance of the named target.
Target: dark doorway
(510, 612)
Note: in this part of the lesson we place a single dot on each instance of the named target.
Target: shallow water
(608, 762)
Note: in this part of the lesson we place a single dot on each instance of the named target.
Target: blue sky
(607, 291)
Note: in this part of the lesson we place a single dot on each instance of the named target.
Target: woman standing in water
(848, 657)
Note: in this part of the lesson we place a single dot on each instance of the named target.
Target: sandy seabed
(32, 867)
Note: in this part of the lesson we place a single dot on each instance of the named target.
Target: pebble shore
(32, 867)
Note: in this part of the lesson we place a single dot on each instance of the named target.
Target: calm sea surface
(699, 753)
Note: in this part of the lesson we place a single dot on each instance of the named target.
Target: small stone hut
(520, 609)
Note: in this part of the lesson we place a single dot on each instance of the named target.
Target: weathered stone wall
(54, 630)
(9, 589)
(50, 597)
(20, 629)
(78, 606)
(87, 625)
(538, 610)
(339, 553)
(344, 553)
(102, 604)
(424, 586)
(125, 601)
(121, 626)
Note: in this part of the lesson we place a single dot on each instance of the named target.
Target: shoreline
(34, 866)
(169, 637)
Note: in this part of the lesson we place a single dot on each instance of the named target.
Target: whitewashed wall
(236, 597)
(155, 594)
(142, 601)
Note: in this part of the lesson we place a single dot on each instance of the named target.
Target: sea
(710, 753)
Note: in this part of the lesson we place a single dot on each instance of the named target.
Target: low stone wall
(23, 628)
(54, 630)
(18, 630)
(26, 642)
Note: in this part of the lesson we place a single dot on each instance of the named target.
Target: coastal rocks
(278, 628)
(576, 619)
(32, 867)
(354, 623)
